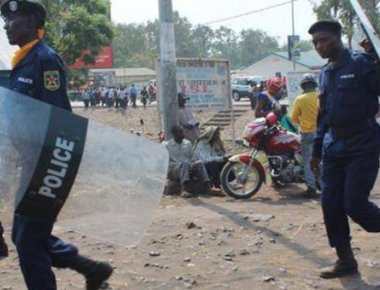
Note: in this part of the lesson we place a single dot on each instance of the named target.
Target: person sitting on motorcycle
(304, 113)
(267, 101)
(210, 149)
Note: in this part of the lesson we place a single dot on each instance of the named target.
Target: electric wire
(250, 12)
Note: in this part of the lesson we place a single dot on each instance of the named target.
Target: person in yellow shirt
(304, 113)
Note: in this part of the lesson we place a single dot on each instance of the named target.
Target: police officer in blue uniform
(347, 142)
(39, 73)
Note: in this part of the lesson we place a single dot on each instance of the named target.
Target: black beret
(24, 7)
(325, 25)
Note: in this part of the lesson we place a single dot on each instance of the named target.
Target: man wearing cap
(39, 73)
(304, 113)
(347, 141)
(187, 121)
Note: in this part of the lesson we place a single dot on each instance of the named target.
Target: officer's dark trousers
(38, 251)
(1, 230)
(346, 184)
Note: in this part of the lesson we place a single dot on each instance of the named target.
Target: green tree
(303, 45)
(129, 40)
(183, 38)
(78, 27)
(152, 36)
(138, 45)
(372, 10)
(202, 37)
(226, 46)
(343, 11)
(255, 45)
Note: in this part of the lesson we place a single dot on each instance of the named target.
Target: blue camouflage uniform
(40, 75)
(348, 141)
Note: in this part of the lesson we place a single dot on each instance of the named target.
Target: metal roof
(310, 58)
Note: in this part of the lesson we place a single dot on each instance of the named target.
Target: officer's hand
(315, 165)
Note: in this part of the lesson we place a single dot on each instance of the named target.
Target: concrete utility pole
(168, 81)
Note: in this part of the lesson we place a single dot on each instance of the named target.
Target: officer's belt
(353, 129)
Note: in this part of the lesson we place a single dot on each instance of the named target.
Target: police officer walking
(347, 142)
(38, 72)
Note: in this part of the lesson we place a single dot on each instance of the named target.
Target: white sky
(276, 22)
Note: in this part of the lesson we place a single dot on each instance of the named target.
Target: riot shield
(101, 181)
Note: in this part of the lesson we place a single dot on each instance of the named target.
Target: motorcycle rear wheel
(241, 187)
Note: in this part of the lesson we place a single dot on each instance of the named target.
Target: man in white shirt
(187, 121)
(182, 165)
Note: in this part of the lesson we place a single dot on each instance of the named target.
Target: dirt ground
(275, 240)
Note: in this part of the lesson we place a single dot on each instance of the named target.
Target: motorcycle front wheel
(241, 181)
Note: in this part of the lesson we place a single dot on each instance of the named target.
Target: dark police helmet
(25, 7)
(325, 25)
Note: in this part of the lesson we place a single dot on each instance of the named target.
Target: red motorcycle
(244, 174)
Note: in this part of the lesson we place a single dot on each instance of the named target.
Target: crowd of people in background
(118, 97)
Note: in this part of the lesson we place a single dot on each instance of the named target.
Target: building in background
(121, 76)
(278, 62)
(104, 60)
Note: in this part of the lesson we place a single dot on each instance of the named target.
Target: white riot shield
(109, 182)
(367, 26)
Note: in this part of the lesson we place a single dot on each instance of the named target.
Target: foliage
(138, 44)
(77, 27)
(78, 78)
(303, 45)
(255, 45)
(341, 10)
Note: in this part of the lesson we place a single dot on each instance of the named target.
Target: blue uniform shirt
(349, 96)
(41, 75)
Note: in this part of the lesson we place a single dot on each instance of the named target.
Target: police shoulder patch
(52, 80)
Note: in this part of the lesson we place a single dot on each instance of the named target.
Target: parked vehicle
(282, 150)
(240, 86)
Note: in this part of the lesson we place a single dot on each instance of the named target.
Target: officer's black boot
(96, 273)
(345, 265)
(3, 248)
(3, 245)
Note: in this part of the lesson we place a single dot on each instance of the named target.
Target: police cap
(325, 25)
(25, 7)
